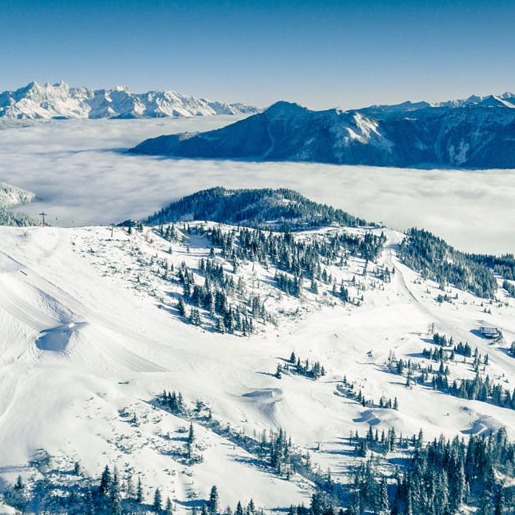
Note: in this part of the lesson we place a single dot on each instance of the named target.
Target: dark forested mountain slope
(462, 134)
(254, 207)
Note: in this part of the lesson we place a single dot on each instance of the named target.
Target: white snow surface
(87, 338)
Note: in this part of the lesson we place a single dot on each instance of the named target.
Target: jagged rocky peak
(36, 101)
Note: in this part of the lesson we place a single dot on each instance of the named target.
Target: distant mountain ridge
(45, 102)
(277, 208)
(478, 132)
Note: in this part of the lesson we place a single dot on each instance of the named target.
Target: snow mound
(57, 339)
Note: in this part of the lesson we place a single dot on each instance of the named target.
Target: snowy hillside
(45, 102)
(10, 197)
(117, 350)
(474, 133)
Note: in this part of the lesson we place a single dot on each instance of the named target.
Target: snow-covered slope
(44, 102)
(10, 197)
(475, 133)
(91, 336)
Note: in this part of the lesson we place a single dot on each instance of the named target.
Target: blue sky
(320, 54)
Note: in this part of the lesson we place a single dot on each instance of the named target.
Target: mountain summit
(44, 102)
(478, 132)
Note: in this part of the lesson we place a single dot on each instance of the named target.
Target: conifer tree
(383, 505)
(157, 505)
(190, 440)
(214, 502)
(139, 492)
(105, 481)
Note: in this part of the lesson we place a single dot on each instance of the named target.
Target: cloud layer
(81, 176)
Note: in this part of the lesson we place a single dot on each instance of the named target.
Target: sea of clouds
(81, 176)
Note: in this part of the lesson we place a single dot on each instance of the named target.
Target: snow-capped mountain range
(60, 101)
(478, 132)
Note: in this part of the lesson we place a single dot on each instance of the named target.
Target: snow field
(108, 344)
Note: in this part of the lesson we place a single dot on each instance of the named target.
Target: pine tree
(157, 504)
(105, 481)
(181, 307)
(19, 485)
(213, 503)
(168, 507)
(190, 440)
(139, 492)
(129, 487)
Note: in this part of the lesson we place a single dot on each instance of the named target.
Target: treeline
(13, 218)
(440, 478)
(510, 288)
(444, 476)
(287, 209)
(502, 265)
(72, 492)
(438, 261)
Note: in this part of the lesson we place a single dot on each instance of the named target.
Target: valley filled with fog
(81, 175)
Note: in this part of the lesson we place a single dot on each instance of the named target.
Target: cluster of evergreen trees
(382, 443)
(212, 506)
(255, 208)
(501, 265)
(447, 351)
(296, 260)
(301, 367)
(510, 288)
(289, 285)
(436, 260)
(273, 448)
(173, 402)
(481, 387)
(13, 218)
(170, 233)
(213, 297)
(71, 492)
(349, 390)
(300, 257)
(441, 477)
